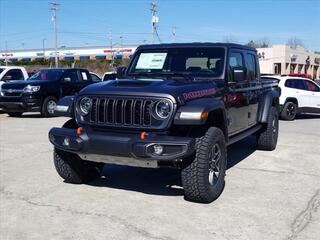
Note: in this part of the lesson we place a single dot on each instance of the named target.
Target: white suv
(298, 95)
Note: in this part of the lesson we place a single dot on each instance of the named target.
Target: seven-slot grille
(112, 111)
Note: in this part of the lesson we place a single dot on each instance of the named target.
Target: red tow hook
(80, 130)
(143, 135)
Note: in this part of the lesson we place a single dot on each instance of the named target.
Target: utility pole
(154, 19)
(43, 48)
(174, 30)
(54, 20)
(6, 54)
(111, 49)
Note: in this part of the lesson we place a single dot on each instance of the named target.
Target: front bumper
(122, 148)
(20, 104)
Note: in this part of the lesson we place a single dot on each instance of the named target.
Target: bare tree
(294, 42)
(261, 43)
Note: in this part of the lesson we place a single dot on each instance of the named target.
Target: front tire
(267, 138)
(203, 176)
(73, 169)
(48, 105)
(289, 111)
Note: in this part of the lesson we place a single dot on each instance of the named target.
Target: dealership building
(281, 59)
(74, 53)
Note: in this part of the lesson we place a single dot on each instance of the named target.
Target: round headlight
(163, 109)
(85, 105)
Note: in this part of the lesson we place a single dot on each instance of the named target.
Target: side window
(235, 60)
(311, 86)
(251, 66)
(95, 78)
(84, 76)
(72, 74)
(295, 83)
(16, 74)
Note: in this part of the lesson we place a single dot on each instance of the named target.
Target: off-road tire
(289, 111)
(195, 174)
(73, 169)
(44, 108)
(15, 114)
(267, 138)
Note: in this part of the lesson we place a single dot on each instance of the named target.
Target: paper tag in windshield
(151, 60)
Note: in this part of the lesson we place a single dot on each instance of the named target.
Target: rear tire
(289, 111)
(15, 114)
(203, 176)
(73, 169)
(47, 109)
(267, 138)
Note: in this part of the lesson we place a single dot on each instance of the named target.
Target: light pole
(43, 48)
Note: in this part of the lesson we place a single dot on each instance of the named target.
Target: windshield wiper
(186, 75)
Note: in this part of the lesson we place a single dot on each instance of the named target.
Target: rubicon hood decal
(199, 93)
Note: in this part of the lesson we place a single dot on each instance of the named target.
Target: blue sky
(24, 23)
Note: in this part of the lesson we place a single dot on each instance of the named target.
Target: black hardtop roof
(195, 44)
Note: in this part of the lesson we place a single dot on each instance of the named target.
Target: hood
(20, 84)
(153, 87)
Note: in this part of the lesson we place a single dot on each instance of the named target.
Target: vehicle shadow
(161, 181)
(307, 116)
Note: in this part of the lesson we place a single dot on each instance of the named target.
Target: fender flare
(266, 103)
(65, 107)
(198, 106)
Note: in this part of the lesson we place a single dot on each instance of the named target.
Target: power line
(54, 20)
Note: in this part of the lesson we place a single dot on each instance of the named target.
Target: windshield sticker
(151, 60)
(84, 75)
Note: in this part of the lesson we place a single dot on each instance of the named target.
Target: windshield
(47, 74)
(179, 62)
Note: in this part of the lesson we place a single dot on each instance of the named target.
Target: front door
(254, 87)
(313, 96)
(237, 101)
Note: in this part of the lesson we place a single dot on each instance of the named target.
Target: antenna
(174, 31)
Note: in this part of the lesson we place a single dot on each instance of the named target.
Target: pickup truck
(8, 73)
(41, 91)
(176, 105)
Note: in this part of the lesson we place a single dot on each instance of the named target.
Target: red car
(304, 75)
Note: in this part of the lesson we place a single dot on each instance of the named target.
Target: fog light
(66, 142)
(158, 149)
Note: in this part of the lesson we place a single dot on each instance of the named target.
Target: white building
(281, 59)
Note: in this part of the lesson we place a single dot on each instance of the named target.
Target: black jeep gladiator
(40, 92)
(176, 105)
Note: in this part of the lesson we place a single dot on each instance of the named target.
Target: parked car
(9, 73)
(177, 105)
(298, 95)
(109, 76)
(42, 90)
(95, 77)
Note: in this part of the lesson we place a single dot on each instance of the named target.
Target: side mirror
(66, 79)
(239, 74)
(121, 71)
(7, 78)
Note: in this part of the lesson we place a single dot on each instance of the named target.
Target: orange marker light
(143, 135)
(204, 115)
(79, 130)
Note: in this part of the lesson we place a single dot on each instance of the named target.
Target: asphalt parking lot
(268, 195)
